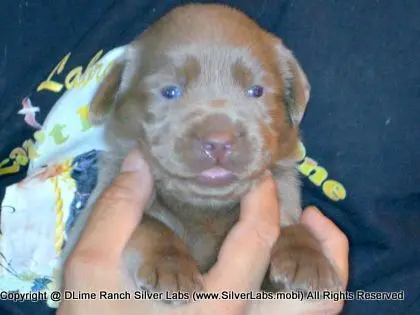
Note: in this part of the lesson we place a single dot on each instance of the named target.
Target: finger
(244, 257)
(333, 240)
(118, 210)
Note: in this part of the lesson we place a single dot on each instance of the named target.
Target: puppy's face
(212, 106)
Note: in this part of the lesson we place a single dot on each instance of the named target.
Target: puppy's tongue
(216, 176)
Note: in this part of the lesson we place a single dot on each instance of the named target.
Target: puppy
(213, 102)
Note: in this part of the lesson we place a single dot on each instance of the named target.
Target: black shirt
(361, 130)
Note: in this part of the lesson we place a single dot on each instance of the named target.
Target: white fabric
(30, 216)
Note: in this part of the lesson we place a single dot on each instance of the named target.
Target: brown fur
(215, 54)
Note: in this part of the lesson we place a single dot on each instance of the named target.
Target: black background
(362, 123)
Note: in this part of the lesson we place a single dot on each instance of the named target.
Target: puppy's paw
(174, 276)
(303, 269)
(298, 263)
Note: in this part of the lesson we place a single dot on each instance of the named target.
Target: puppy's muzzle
(216, 149)
(217, 136)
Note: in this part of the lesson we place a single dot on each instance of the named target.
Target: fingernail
(267, 174)
(311, 213)
(134, 162)
(313, 209)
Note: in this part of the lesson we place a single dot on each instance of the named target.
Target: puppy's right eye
(171, 92)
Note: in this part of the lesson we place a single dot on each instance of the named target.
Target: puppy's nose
(218, 145)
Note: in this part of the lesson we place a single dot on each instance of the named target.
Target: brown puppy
(214, 103)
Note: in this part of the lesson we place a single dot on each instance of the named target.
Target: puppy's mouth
(216, 177)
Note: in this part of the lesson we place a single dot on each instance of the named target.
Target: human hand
(336, 247)
(96, 263)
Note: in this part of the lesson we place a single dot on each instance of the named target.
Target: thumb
(334, 242)
(118, 210)
(245, 255)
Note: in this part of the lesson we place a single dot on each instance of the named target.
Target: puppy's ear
(114, 84)
(296, 84)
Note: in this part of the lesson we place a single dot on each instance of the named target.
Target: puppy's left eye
(256, 91)
(171, 92)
